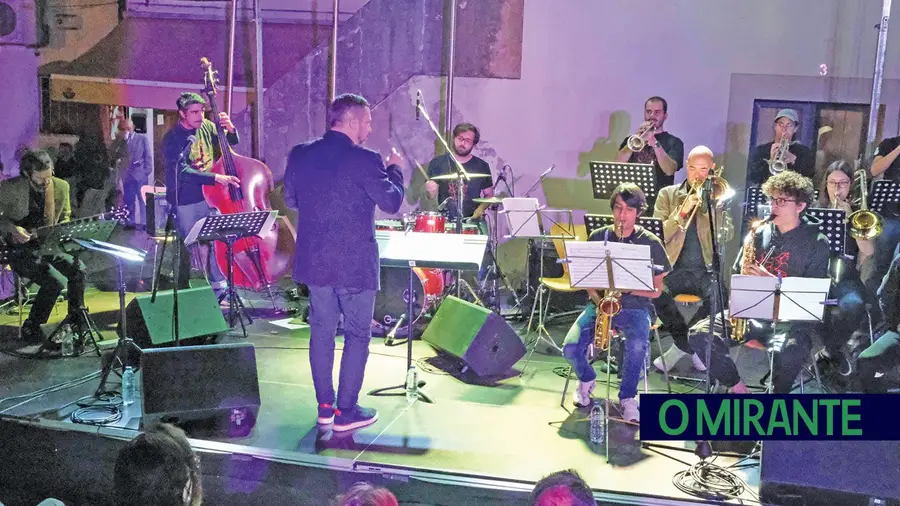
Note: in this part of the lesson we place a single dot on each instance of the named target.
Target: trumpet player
(632, 320)
(783, 246)
(783, 153)
(688, 243)
(651, 143)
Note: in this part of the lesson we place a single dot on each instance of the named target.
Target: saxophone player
(632, 320)
(653, 144)
(784, 246)
(688, 242)
(796, 157)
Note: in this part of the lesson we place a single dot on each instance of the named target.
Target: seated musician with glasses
(465, 138)
(32, 200)
(634, 318)
(884, 354)
(853, 275)
(797, 157)
(785, 246)
(688, 240)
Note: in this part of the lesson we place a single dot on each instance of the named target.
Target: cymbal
(489, 200)
(454, 175)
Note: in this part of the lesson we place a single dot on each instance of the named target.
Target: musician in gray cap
(797, 157)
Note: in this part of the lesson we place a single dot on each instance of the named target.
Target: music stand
(412, 250)
(778, 300)
(604, 265)
(230, 228)
(524, 218)
(606, 176)
(123, 355)
(73, 233)
(593, 222)
(833, 225)
(883, 193)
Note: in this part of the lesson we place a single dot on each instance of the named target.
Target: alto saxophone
(739, 326)
(607, 307)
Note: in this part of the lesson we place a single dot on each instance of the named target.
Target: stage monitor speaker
(481, 338)
(150, 324)
(829, 472)
(193, 383)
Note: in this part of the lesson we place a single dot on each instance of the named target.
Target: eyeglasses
(463, 140)
(780, 201)
(838, 184)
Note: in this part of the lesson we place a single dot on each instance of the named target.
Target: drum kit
(433, 284)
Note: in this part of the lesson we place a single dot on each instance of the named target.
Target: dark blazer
(335, 185)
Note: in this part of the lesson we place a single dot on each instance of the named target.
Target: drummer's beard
(462, 151)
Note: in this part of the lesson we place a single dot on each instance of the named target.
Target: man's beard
(462, 151)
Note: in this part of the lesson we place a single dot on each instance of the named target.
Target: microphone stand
(717, 294)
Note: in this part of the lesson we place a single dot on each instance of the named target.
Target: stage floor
(513, 430)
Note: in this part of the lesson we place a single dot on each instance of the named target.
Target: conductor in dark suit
(335, 185)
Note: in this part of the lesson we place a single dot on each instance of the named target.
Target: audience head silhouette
(158, 468)
(562, 488)
(366, 494)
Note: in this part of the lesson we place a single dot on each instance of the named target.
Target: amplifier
(157, 211)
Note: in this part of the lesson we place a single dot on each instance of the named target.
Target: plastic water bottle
(68, 341)
(128, 390)
(412, 384)
(597, 419)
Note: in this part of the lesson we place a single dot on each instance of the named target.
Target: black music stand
(593, 222)
(230, 228)
(606, 176)
(833, 225)
(410, 250)
(883, 193)
(126, 349)
(67, 238)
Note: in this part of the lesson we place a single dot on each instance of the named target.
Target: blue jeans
(633, 323)
(186, 216)
(326, 305)
(131, 190)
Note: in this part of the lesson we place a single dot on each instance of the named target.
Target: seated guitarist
(35, 199)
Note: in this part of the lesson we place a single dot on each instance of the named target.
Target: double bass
(257, 260)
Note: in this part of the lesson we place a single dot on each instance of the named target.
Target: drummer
(465, 138)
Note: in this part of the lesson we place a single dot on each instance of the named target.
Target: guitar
(46, 240)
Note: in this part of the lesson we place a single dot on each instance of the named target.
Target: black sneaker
(32, 333)
(326, 414)
(355, 418)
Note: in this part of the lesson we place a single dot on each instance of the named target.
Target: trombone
(720, 192)
(636, 142)
(863, 224)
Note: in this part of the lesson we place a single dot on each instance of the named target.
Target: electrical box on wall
(18, 22)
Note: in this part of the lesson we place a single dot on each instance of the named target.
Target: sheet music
(440, 251)
(801, 298)
(522, 216)
(752, 297)
(631, 265)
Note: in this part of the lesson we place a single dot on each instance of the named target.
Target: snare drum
(391, 300)
(467, 228)
(392, 225)
(430, 222)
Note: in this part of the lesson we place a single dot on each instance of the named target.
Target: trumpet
(720, 192)
(862, 223)
(636, 142)
(777, 165)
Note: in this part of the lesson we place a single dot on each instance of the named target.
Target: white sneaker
(672, 356)
(582, 396)
(630, 409)
(698, 364)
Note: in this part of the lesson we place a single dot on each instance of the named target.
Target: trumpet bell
(636, 143)
(777, 167)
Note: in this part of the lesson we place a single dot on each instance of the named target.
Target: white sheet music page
(631, 265)
(802, 298)
(752, 296)
(397, 249)
(522, 216)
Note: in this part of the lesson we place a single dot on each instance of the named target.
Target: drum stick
(419, 166)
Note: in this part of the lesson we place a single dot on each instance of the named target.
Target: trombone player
(688, 243)
(651, 143)
(783, 153)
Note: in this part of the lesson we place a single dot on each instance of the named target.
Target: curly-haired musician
(688, 239)
(32, 200)
(797, 158)
(788, 246)
(633, 320)
(662, 149)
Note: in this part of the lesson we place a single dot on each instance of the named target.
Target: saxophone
(607, 307)
(739, 326)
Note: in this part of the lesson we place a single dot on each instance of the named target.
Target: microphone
(418, 102)
(502, 176)
(186, 150)
(547, 172)
(389, 339)
(443, 204)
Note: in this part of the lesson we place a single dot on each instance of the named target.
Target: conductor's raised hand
(226, 180)
(394, 158)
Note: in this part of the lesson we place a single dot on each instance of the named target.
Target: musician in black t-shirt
(465, 138)
(886, 159)
(662, 149)
(799, 158)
